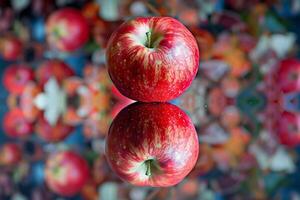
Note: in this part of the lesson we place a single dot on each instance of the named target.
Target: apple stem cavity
(148, 42)
(148, 166)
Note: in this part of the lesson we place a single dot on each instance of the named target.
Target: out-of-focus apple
(152, 144)
(10, 48)
(66, 173)
(55, 133)
(15, 124)
(16, 76)
(10, 154)
(289, 75)
(152, 58)
(53, 68)
(288, 129)
(67, 29)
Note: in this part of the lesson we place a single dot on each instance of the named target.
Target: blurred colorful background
(244, 102)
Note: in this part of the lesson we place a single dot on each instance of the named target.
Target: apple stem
(148, 34)
(148, 165)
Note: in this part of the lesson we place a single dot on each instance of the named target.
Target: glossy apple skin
(67, 29)
(66, 172)
(16, 76)
(10, 154)
(155, 74)
(289, 75)
(53, 68)
(55, 133)
(15, 124)
(158, 131)
(11, 48)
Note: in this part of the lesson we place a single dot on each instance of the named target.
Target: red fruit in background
(10, 154)
(15, 124)
(288, 129)
(11, 48)
(53, 68)
(16, 76)
(27, 105)
(67, 29)
(55, 133)
(152, 144)
(289, 75)
(152, 58)
(66, 173)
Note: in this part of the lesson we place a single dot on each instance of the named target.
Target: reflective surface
(244, 101)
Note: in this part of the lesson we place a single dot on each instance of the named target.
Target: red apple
(10, 154)
(66, 173)
(152, 58)
(16, 76)
(15, 124)
(288, 129)
(152, 144)
(67, 29)
(289, 75)
(53, 68)
(55, 133)
(11, 48)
